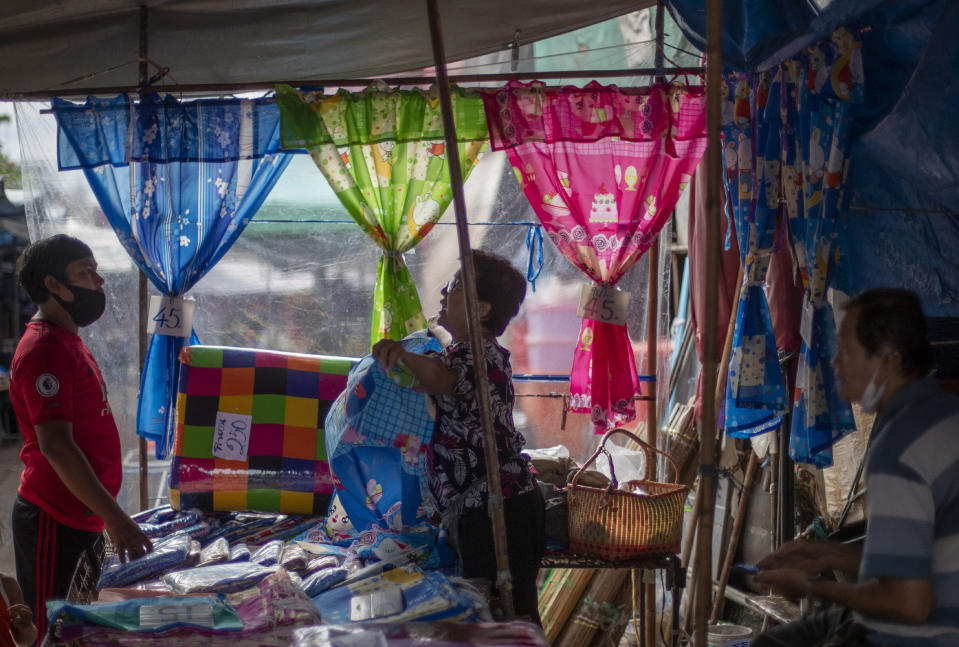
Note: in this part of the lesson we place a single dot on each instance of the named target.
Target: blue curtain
(178, 183)
(755, 391)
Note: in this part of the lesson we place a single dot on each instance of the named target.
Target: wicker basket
(616, 524)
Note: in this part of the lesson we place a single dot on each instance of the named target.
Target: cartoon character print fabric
(603, 168)
(384, 154)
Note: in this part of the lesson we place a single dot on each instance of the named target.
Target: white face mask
(872, 394)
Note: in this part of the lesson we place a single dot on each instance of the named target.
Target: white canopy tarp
(55, 45)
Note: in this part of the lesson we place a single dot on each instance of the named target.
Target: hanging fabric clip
(534, 247)
(514, 52)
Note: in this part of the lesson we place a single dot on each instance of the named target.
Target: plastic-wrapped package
(323, 580)
(295, 578)
(193, 557)
(152, 514)
(253, 479)
(269, 611)
(220, 578)
(293, 558)
(181, 521)
(239, 553)
(218, 551)
(268, 554)
(150, 614)
(322, 562)
(165, 555)
(434, 634)
(342, 636)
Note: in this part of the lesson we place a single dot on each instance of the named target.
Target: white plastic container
(728, 636)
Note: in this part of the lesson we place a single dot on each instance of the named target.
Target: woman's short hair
(500, 285)
(48, 257)
(893, 317)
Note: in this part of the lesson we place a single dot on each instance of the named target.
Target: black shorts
(47, 553)
(526, 543)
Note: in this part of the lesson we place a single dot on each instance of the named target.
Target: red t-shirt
(54, 377)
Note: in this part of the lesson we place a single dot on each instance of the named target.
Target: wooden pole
(504, 582)
(652, 318)
(738, 523)
(144, 475)
(707, 422)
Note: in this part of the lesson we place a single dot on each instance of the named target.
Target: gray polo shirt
(913, 508)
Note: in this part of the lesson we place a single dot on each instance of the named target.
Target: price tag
(161, 615)
(605, 304)
(171, 316)
(231, 436)
(805, 323)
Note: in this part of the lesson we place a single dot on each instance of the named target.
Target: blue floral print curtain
(178, 182)
(786, 143)
(756, 395)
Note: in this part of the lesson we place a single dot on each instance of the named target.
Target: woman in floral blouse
(457, 462)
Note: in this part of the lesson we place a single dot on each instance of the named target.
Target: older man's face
(851, 364)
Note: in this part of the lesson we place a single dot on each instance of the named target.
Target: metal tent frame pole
(362, 82)
(504, 583)
(707, 420)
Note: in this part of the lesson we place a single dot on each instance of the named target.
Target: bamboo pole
(565, 587)
(504, 581)
(585, 620)
(738, 523)
(652, 318)
(142, 310)
(720, 395)
(707, 426)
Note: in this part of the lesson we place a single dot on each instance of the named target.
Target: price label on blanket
(171, 316)
(160, 615)
(231, 436)
(603, 303)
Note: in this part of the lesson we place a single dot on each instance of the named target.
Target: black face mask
(87, 305)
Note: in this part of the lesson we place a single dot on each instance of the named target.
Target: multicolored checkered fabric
(279, 401)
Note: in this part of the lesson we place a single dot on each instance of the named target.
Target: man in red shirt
(71, 447)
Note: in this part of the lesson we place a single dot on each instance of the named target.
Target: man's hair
(893, 318)
(500, 285)
(48, 257)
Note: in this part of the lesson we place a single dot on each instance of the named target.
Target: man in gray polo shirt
(905, 585)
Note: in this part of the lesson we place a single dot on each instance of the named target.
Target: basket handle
(602, 449)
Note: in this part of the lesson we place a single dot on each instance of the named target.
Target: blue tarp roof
(901, 227)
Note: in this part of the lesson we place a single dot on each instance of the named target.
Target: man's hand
(128, 540)
(789, 582)
(388, 352)
(807, 556)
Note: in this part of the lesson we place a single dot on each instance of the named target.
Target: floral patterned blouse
(457, 463)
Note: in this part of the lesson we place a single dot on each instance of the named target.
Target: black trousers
(46, 554)
(833, 627)
(526, 540)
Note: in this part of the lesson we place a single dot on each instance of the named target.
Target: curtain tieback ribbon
(534, 247)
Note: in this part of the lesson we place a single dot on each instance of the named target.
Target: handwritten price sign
(171, 316)
(231, 436)
(605, 304)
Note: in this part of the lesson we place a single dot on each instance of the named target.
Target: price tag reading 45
(605, 304)
(171, 316)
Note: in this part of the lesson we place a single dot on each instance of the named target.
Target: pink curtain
(603, 168)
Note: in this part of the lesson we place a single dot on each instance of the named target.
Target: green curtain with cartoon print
(384, 154)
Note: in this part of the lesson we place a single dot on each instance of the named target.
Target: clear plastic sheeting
(292, 283)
